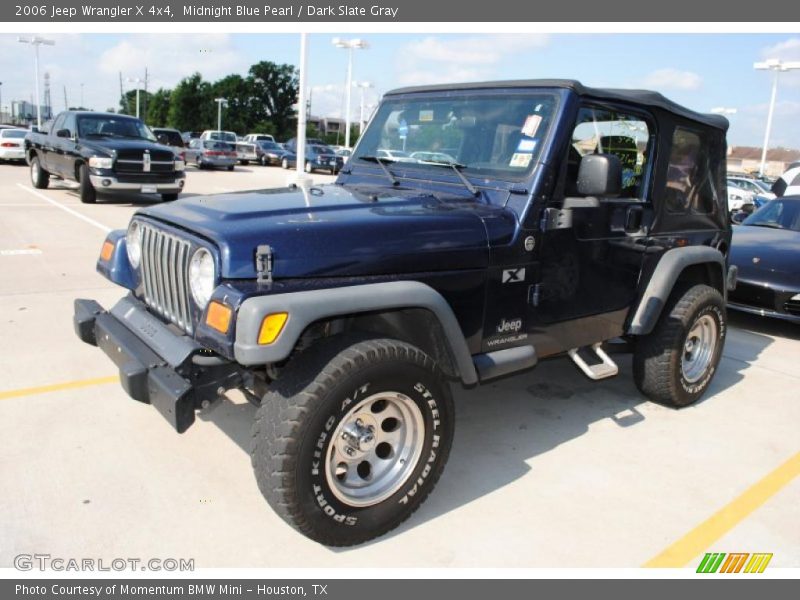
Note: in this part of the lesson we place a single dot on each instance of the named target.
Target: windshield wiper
(379, 160)
(457, 169)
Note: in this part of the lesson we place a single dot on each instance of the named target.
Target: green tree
(274, 90)
(158, 108)
(236, 114)
(127, 104)
(192, 106)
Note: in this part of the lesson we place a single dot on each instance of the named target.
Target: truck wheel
(352, 437)
(244, 162)
(169, 197)
(675, 363)
(87, 192)
(39, 177)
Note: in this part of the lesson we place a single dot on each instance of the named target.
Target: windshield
(490, 135)
(269, 145)
(13, 133)
(776, 214)
(225, 136)
(111, 126)
(173, 138)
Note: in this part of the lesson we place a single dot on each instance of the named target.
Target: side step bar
(601, 370)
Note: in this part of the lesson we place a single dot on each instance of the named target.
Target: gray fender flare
(669, 268)
(304, 308)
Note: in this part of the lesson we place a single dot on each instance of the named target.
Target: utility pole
(66, 102)
(776, 66)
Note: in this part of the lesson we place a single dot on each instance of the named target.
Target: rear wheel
(675, 363)
(87, 192)
(352, 437)
(39, 177)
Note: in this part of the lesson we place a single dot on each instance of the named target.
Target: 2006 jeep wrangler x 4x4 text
(520, 220)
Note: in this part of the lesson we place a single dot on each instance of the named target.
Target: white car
(737, 197)
(258, 137)
(12, 144)
(395, 155)
(758, 188)
(215, 135)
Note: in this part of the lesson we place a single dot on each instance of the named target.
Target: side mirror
(600, 175)
(64, 133)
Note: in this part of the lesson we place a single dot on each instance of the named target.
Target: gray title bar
(399, 11)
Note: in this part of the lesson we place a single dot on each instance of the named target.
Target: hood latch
(264, 264)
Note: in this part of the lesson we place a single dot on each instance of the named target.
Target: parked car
(435, 157)
(219, 136)
(738, 197)
(171, 138)
(756, 186)
(345, 312)
(189, 136)
(12, 144)
(270, 153)
(259, 137)
(395, 155)
(766, 250)
(318, 158)
(247, 152)
(344, 153)
(291, 143)
(104, 151)
(212, 154)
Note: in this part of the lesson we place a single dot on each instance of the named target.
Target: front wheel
(39, 177)
(352, 437)
(675, 363)
(87, 192)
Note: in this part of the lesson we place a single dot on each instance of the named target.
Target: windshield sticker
(520, 160)
(531, 125)
(425, 116)
(526, 145)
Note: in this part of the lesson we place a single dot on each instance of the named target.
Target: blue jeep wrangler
(514, 221)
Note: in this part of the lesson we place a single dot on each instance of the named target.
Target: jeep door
(591, 257)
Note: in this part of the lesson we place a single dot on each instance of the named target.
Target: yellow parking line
(56, 387)
(725, 519)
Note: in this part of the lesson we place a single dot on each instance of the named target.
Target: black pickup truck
(104, 151)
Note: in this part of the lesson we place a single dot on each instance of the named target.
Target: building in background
(747, 160)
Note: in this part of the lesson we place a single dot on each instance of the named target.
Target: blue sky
(699, 70)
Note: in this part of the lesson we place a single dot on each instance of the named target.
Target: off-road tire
(86, 191)
(169, 197)
(303, 408)
(39, 177)
(657, 356)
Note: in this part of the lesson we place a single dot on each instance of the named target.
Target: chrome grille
(165, 275)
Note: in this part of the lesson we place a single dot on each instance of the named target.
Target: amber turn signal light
(218, 317)
(107, 252)
(271, 327)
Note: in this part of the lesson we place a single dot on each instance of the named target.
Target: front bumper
(758, 298)
(103, 182)
(155, 364)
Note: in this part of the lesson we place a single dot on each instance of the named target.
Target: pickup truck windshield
(114, 127)
(489, 136)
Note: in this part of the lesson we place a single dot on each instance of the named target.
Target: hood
(764, 254)
(332, 230)
(110, 145)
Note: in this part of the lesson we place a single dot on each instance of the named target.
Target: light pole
(135, 80)
(37, 41)
(349, 45)
(361, 85)
(220, 102)
(301, 109)
(776, 65)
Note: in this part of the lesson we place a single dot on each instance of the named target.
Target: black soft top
(641, 97)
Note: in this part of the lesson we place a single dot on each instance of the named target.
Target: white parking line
(74, 213)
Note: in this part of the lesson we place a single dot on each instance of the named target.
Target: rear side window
(692, 177)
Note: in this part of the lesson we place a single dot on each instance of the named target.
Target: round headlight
(133, 242)
(202, 276)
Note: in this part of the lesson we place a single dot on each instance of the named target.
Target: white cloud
(438, 60)
(788, 50)
(672, 79)
(329, 100)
